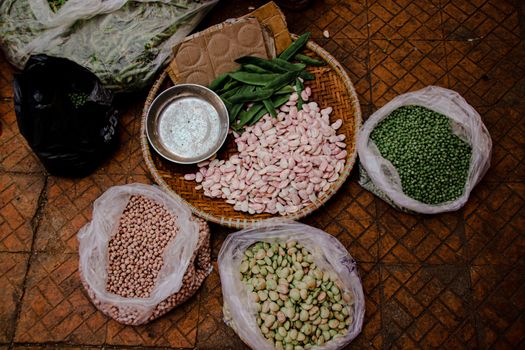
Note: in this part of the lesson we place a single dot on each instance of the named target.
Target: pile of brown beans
(135, 251)
(135, 259)
(283, 164)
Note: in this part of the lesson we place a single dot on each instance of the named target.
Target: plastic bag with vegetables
(287, 284)
(124, 42)
(424, 151)
(66, 116)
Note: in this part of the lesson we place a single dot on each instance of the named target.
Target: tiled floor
(449, 281)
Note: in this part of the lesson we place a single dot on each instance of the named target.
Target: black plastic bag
(65, 114)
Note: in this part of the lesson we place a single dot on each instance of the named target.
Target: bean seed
(333, 323)
(295, 294)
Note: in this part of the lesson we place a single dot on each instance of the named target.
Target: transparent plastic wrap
(328, 254)
(94, 238)
(379, 175)
(123, 42)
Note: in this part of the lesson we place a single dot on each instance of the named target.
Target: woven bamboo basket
(331, 87)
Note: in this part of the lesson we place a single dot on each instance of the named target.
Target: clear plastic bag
(379, 175)
(95, 236)
(329, 255)
(123, 42)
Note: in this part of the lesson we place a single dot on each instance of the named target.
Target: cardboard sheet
(199, 59)
(203, 56)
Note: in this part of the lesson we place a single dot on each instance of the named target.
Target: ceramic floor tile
(405, 19)
(494, 220)
(409, 238)
(398, 66)
(69, 207)
(371, 336)
(427, 307)
(16, 154)
(13, 267)
(55, 307)
(487, 72)
(176, 329)
(499, 301)
(475, 20)
(213, 333)
(19, 201)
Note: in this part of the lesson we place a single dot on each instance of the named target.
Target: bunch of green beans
(260, 86)
(299, 306)
(432, 162)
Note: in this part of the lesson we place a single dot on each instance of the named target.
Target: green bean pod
(295, 47)
(258, 116)
(310, 61)
(262, 63)
(228, 86)
(247, 116)
(306, 75)
(234, 112)
(252, 68)
(288, 89)
(231, 92)
(299, 87)
(270, 107)
(294, 67)
(281, 81)
(280, 100)
(254, 78)
(257, 95)
(218, 82)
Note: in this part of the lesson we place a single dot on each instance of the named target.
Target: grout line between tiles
(376, 206)
(470, 297)
(521, 17)
(35, 224)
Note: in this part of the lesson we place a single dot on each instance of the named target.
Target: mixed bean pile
(298, 304)
(432, 162)
(136, 250)
(283, 164)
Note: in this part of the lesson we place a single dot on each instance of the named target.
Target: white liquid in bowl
(189, 127)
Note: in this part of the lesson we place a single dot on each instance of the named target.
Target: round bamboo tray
(331, 87)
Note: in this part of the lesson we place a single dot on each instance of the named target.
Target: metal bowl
(187, 123)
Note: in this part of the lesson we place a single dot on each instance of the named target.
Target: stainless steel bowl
(187, 123)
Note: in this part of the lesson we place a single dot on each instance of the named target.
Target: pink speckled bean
(341, 155)
(306, 107)
(308, 90)
(304, 96)
(337, 124)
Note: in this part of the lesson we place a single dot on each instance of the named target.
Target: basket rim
(245, 223)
